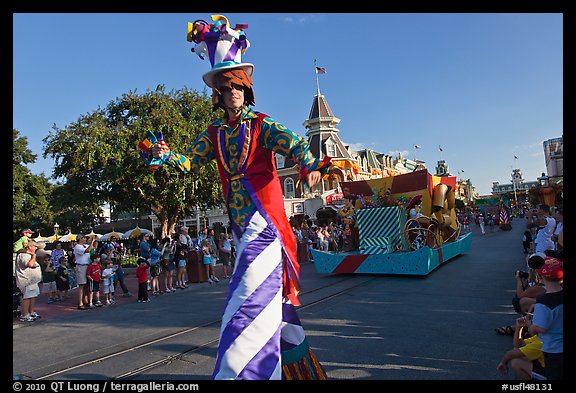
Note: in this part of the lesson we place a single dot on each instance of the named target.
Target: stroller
(16, 297)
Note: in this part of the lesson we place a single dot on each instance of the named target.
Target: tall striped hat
(222, 44)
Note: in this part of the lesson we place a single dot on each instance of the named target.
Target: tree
(31, 194)
(99, 155)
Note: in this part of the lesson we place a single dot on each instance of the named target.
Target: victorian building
(516, 190)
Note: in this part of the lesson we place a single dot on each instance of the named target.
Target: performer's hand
(313, 178)
(159, 149)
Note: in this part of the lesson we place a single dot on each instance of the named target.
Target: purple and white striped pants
(249, 345)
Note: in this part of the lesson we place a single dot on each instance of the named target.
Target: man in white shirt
(185, 237)
(546, 225)
(82, 254)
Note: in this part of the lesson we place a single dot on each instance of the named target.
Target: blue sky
(484, 86)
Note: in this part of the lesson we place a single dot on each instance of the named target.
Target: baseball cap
(27, 230)
(553, 268)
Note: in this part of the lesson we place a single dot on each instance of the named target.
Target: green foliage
(31, 194)
(98, 155)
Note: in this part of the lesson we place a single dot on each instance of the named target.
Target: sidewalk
(50, 311)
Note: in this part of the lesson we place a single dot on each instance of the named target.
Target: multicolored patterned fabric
(266, 271)
(273, 136)
(298, 359)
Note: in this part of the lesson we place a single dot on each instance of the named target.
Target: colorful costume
(264, 238)
(261, 336)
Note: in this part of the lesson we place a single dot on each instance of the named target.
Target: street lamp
(56, 228)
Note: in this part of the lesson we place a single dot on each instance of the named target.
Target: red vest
(262, 182)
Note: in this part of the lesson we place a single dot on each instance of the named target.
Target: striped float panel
(377, 245)
(381, 222)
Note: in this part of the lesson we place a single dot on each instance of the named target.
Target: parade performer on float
(261, 336)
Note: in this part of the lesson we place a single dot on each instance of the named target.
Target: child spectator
(62, 280)
(181, 272)
(548, 318)
(142, 275)
(527, 241)
(48, 277)
(93, 276)
(108, 282)
(207, 259)
(526, 358)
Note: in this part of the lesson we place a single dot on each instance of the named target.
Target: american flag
(503, 216)
(439, 148)
(416, 147)
(320, 70)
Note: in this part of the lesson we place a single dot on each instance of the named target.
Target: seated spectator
(548, 320)
(526, 358)
(528, 287)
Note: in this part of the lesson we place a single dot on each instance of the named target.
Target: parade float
(404, 224)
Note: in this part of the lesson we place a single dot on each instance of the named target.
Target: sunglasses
(226, 89)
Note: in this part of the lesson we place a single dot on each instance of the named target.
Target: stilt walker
(261, 336)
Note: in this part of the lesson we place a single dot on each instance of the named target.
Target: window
(280, 160)
(330, 149)
(289, 188)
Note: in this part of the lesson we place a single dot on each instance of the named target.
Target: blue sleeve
(542, 316)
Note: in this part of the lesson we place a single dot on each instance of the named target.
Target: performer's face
(233, 97)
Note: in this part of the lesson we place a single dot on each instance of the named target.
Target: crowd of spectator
(538, 334)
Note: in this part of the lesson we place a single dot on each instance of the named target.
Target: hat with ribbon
(222, 44)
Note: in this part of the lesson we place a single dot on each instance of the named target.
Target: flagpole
(415, 147)
(514, 184)
(317, 84)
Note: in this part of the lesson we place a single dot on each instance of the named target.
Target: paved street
(438, 327)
